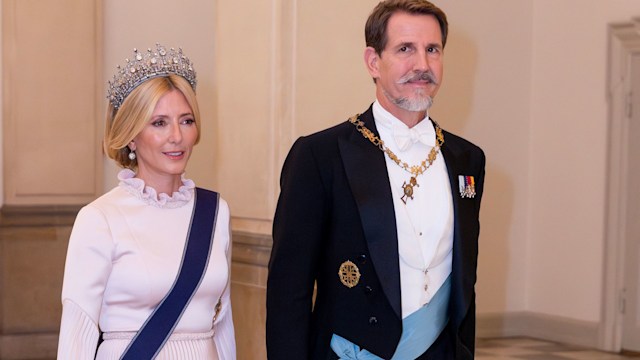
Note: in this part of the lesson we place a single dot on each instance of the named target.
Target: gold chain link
(415, 170)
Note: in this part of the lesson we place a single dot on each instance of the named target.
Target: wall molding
(28, 346)
(624, 41)
(251, 249)
(539, 326)
(37, 216)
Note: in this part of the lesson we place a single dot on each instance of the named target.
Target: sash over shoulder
(153, 334)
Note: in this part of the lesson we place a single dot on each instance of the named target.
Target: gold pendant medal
(408, 189)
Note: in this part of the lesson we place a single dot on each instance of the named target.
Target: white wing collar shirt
(124, 253)
(425, 223)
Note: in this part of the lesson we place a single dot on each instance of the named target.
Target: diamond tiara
(148, 65)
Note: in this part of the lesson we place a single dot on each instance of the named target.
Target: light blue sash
(419, 331)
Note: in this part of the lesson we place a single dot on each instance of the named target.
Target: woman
(126, 247)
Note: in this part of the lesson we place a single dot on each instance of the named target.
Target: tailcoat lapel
(368, 179)
(366, 172)
(463, 264)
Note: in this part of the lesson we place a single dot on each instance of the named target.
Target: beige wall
(486, 98)
(568, 154)
(1, 126)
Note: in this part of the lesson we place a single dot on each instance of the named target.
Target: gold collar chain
(414, 170)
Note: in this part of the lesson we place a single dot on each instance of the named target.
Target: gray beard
(421, 103)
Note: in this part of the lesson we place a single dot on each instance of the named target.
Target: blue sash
(160, 324)
(419, 331)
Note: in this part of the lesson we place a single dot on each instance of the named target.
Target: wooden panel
(52, 101)
(248, 293)
(33, 241)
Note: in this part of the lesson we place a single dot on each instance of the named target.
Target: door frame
(624, 42)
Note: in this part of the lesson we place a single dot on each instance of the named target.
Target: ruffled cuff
(78, 333)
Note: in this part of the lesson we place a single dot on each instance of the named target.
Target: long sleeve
(78, 333)
(224, 337)
(87, 269)
(298, 229)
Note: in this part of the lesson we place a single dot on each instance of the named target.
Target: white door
(631, 322)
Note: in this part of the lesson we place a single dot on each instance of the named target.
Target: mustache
(418, 76)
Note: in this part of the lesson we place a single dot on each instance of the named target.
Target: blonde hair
(125, 123)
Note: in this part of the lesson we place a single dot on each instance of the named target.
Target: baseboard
(539, 326)
(28, 346)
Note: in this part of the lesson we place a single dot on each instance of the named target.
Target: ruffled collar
(149, 195)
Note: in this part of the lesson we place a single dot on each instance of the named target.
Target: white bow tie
(405, 137)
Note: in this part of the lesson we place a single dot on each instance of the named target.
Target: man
(380, 213)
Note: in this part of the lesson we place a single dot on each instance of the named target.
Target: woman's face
(164, 145)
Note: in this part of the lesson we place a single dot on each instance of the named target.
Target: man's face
(408, 72)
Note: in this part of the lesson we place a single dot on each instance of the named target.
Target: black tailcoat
(336, 205)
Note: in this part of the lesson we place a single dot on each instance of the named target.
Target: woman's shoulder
(108, 205)
(223, 205)
(108, 199)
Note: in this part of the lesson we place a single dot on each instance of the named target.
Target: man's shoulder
(344, 130)
(341, 129)
(328, 136)
(461, 142)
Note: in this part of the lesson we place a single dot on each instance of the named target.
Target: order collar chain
(414, 170)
